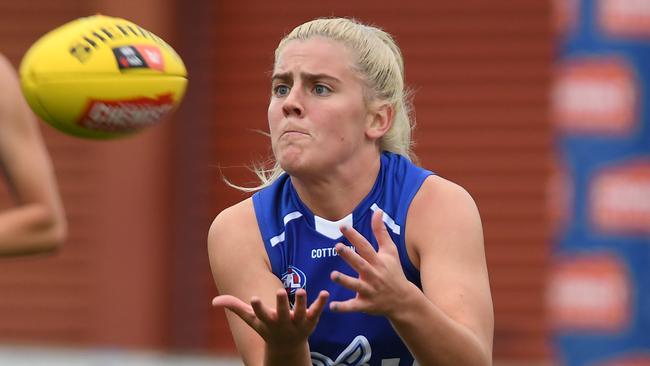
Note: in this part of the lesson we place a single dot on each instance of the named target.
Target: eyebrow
(304, 75)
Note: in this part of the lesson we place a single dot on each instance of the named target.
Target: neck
(335, 195)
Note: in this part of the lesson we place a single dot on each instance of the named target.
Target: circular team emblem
(293, 279)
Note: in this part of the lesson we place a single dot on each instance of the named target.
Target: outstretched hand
(282, 326)
(381, 284)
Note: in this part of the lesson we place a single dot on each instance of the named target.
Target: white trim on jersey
(387, 219)
(288, 217)
(331, 229)
(277, 239)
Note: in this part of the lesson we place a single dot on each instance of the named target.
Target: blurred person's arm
(36, 223)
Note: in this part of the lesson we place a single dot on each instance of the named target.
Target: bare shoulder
(444, 194)
(440, 210)
(236, 224)
(234, 239)
(236, 215)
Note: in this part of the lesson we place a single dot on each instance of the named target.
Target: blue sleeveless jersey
(300, 247)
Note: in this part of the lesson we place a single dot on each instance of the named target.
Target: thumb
(227, 301)
(237, 306)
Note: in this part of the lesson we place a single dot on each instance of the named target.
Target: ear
(380, 119)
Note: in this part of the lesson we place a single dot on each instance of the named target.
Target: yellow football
(102, 77)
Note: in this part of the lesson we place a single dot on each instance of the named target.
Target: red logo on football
(152, 56)
(125, 115)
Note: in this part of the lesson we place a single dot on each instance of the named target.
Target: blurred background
(511, 100)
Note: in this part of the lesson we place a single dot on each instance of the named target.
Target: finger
(348, 282)
(384, 241)
(282, 305)
(300, 307)
(316, 308)
(263, 312)
(360, 243)
(347, 306)
(226, 300)
(352, 258)
(237, 306)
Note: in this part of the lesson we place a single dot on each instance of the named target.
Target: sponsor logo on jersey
(595, 96)
(624, 18)
(319, 253)
(619, 198)
(357, 353)
(293, 280)
(125, 115)
(590, 292)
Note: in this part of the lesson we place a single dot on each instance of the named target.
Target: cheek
(272, 110)
(347, 125)
(273, 116)
(339, 133)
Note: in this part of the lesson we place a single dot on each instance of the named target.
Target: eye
(280, 90)
(320, 89)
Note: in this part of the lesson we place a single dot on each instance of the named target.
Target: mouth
(294, 133)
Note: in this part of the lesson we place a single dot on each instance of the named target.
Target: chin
(292, 167)
(291, 162)
(296, 165)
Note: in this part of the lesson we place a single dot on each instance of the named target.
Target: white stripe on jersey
(277, 239)
(387, 219)
(288, 217)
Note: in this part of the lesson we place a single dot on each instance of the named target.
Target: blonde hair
(378, 61)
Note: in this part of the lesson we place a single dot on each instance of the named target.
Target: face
(317, 114)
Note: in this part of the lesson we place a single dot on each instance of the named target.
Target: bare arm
(37, 223)
(263, 335)
(445, 230)
(451, 321)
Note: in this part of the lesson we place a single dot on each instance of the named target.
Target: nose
(292, 104)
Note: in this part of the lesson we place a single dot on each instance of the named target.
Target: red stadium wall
(134, 272)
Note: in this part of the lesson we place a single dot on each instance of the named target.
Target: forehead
(315, 55)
